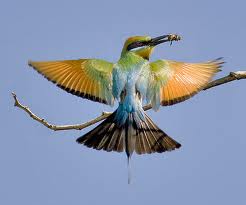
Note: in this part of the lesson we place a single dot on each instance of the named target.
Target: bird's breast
(130, 77)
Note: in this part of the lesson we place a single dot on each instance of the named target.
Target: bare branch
(231, 77)
(59, 127)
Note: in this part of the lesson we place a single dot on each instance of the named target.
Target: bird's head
(144, 45)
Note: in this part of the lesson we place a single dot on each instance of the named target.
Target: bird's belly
(133, 79)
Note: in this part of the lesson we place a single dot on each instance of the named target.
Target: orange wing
(86, 78)
(179, 81)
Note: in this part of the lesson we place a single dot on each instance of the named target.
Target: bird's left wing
(172, 82)
(86, 78)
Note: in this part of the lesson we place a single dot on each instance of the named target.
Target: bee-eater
(130, 81)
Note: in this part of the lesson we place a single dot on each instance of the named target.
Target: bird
(132, 81)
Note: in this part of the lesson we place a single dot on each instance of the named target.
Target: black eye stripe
(136, 45)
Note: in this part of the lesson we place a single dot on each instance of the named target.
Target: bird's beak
(163, 39)
(154, 41)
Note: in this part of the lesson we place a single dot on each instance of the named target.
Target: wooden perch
(231, 77)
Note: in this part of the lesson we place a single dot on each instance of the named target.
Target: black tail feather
(144, 138)
(106, 136)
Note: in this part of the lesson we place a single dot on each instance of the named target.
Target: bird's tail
(146, 138)
(142, 137)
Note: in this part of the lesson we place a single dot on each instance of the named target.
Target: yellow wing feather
(86, 78)
(180, 81)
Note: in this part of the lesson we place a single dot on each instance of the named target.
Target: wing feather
(175, 81)
(86, 78)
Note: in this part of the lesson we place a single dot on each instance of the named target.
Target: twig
(238, 75)
(231, 77)
(59, 127)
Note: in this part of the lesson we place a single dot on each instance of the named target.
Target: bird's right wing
(86, 78)
(173, 82)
